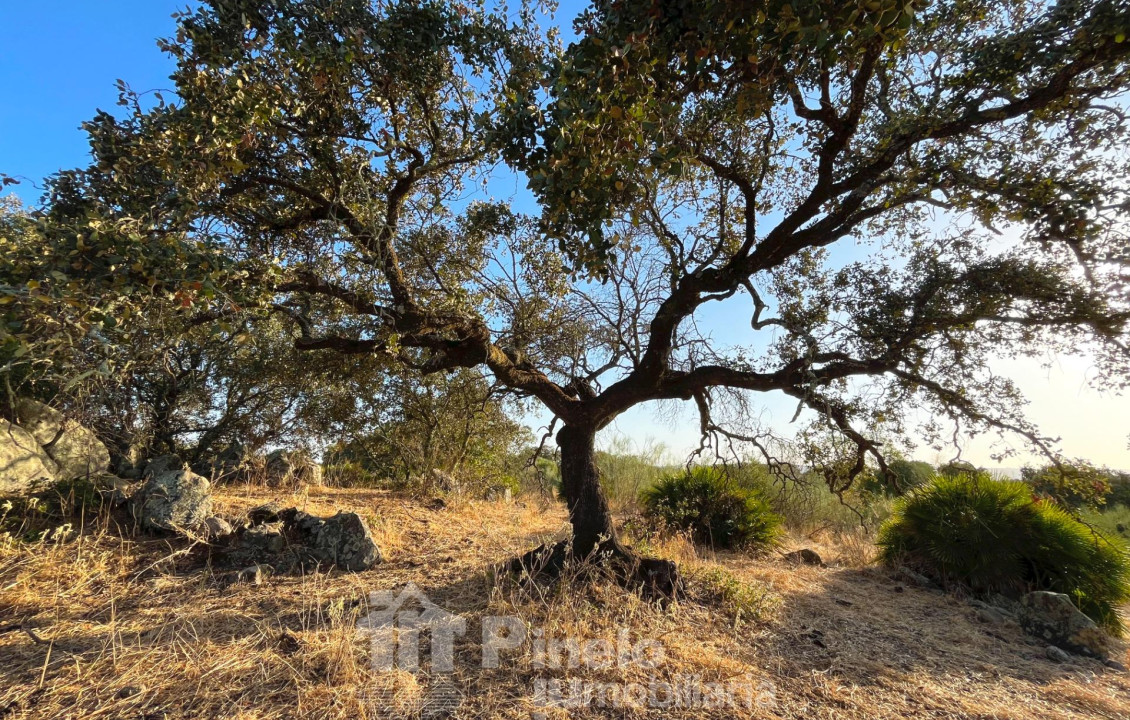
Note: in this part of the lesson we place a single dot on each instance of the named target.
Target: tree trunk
(580, 483)
(594, 545)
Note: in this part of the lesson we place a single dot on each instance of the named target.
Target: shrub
(809, 506)
(902, 477)
(714, 508)
(994, 536)
(1076, 484)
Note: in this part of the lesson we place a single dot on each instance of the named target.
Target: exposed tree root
(655, 578)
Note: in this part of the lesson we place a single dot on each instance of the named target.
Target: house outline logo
(394, 630)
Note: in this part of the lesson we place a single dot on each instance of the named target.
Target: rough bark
(594, 546)
(580, 483)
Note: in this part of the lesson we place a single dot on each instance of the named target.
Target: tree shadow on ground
(866, 630)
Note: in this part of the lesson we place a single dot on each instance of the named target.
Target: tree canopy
(893, 194)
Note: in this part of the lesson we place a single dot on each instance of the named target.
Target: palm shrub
(995, 536)
(714, 508)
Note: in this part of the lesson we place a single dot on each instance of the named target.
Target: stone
(163, 464)
(804, 556)
(24, 466)
(291, 468)
(215, 527)
(1114, 665)
(74, 448)
(268, 513)
(345, 541)
(252, 575)
(1056, 654)
(915, 578)
(1053, 618)
(173, 499)
(990, 616)
(292, 541)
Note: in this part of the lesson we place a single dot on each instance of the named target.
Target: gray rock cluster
(291, 540)
(291, 468)
(43, 447)
(173, 498)
(1053, 618)
(1054, 621)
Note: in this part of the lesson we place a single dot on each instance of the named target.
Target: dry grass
(126, 628)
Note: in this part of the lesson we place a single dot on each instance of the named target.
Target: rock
(344, 540)
(292, 540)
(163, 464)
(1056, 654)
(1114, 665)
(1053, 618)
(804, 556)
(990, 616)
(916, 578)
(443, 482)
(232, 464)
(268, 513)
(252, 575)
(216, 527)
(499, 493)
(76, 450)
(128, 691)
(24, 466)
(173, 499)
(291, 468)
(115, 491)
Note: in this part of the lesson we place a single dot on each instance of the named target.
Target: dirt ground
(96, 626)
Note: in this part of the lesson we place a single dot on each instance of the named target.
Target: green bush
(902, 477)
(714, 508)
(994, 536)
(1111, 519)
(1077, 484)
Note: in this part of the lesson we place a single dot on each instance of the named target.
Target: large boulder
(174, 499)
(76, 450)
(294, 541)
(442, 482)
(24, 466)
(162, 465)
(344, 541)
(291, 468)
(229, 465)
(1053, 618)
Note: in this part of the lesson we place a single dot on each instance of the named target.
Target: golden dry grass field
(135, 628)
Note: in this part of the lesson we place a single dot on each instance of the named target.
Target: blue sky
(58, 63)
(59, 60)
